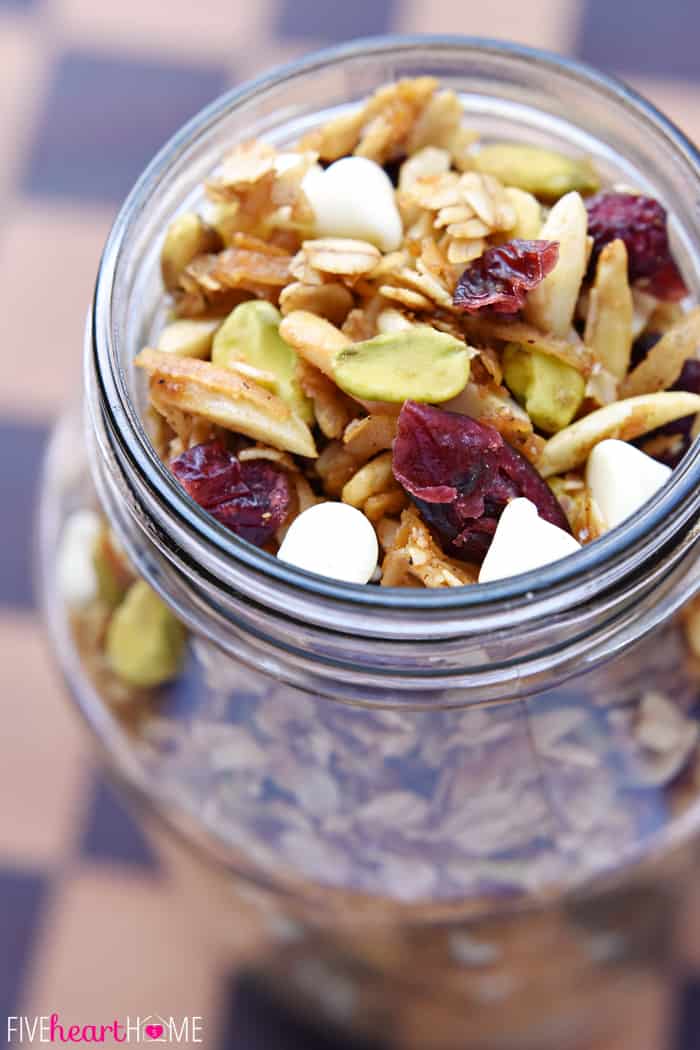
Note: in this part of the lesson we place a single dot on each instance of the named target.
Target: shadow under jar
(461, 796)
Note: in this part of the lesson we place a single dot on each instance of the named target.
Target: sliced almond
(226, 398)
(609, 322)
(314, 339)
(551, 305)
(625, 420)
(375, 477)
(369, 435)
(664, 362)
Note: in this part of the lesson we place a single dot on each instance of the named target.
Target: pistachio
(188, 338)
(187, 236)
(544, 172)
(250, 334)
(551, 305)
(418, 364)
(111, 569)
(625, 420)
(145, 643)
(550, 390)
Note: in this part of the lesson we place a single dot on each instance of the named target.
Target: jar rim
(621, 551)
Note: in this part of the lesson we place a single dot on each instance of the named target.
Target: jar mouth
(600, 565)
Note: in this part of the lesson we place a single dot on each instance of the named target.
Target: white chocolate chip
(354, 198)
(332, 539)
(621, 478)
(524, 541)
(75, 566)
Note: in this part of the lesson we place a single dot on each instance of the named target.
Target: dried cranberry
(502, 276)
(461, 474)
(209, 473)
(393, 167)
(641, 223)
(251, 498)
(641, 347)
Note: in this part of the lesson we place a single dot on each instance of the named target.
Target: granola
(401, 260)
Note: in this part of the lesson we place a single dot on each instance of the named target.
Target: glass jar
(479, 805)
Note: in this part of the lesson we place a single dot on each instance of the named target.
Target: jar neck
(377, 653)
(440, 645)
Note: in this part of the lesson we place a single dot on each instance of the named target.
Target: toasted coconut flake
(416, 554)
(364, 437)
(582, 513)
(440, 124)
(185, 429)
(361, 324)
(335, 466)
(225, 398)
(393, 111)
(602, 388)
(625, 420)
(666, 736)
(396, 567)
(272, 454)
(332, 408)
(499, 410)
(374, 477)
(387, 529)
(241, 267)
(337, 137)
(570, 349)
(663, 364)
(383, 503)
(332, 301)
(244, 166)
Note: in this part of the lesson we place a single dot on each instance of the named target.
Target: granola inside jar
(502, 777)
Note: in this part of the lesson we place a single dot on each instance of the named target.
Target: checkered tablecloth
(89, 89)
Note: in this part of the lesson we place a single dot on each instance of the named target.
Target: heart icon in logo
(154, 1031)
